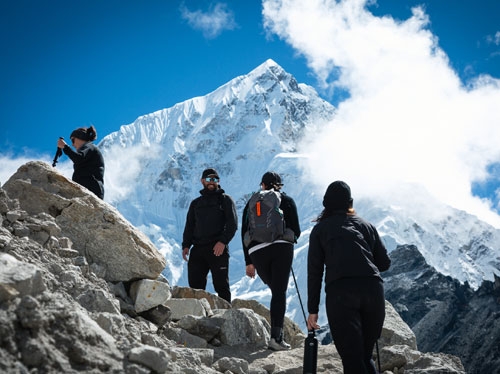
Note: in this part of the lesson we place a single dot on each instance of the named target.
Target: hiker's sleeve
(292, 217)
(79, 156)
(231, 220)
(380, 256)
(315, 269)
(244, 229)
(187, 236)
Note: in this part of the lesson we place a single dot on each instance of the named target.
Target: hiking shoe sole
(281, 346)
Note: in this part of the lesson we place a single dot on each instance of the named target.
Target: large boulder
(395, 331)
(98, 230)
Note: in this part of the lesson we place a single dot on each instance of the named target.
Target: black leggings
(201, 261)
(355, 309)
(273, 264)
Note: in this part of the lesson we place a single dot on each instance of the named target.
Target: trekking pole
(57, 155)
(311, 344)
(300, 299)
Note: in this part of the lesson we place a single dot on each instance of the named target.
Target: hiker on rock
(352, 252)
(270, 228)
(88, 163)
(211, 223)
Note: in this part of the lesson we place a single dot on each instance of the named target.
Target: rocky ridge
(67, 306)
(445, 315)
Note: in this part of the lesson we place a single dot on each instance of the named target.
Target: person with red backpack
(270, 227)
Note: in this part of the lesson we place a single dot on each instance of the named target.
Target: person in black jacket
(273, 261)
(354, 256)
(88, 163)
(211, 223)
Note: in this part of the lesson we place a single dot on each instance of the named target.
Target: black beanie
(337, 196)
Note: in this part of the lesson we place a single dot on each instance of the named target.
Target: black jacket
(211, 218)
(88, 167)
(349, 247)
(289, 214)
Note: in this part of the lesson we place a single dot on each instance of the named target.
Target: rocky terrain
(81, 290)
(446, 316)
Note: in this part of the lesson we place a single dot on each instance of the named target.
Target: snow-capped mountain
(250, 125)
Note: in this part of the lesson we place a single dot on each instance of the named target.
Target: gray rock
(159, 315)
(149, 293)
(292, 332)
(184, 339)
(87, 220)
(204, 327)
(98, 300)
(215, 301)
(196, 356)
(154, 358)
(242, 326)
(24, 278)
(395, 331)
(234, 365)
(182, 307)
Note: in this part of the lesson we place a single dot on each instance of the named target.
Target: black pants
(273, 264)
(201, 261)
(355, 309)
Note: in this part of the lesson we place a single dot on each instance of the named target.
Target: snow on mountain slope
(454, 242)
(252, 124)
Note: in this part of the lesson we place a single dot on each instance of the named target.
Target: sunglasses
(211, 179)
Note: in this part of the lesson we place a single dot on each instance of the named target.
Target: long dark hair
(92, 133)
(330, 212)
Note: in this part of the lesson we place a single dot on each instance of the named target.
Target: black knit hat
(271, 178)
(208, 172)
(337, 196)
(80, 133)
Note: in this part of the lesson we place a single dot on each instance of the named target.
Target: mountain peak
(264, 78)
(269, 64)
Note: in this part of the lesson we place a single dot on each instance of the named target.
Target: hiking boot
(281, 346)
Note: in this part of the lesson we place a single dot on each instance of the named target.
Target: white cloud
(494, 39)
(10, 166)
(211, 23)
(123, 169)
(409, 118)
(120, 177)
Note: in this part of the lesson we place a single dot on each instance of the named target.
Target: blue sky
(67, 64)
(72, 63)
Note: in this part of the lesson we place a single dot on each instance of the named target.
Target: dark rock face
(446, 316)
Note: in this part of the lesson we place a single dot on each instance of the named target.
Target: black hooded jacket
(211, 218)
(349, 247)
